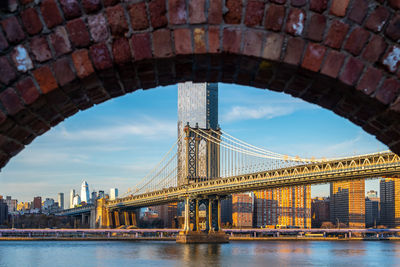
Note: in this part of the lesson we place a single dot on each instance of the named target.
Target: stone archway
(61, 56)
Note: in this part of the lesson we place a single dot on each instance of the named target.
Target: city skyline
(128, 145)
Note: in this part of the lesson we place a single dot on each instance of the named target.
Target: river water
(243, 254)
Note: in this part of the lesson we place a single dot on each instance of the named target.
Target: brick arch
(61, 56)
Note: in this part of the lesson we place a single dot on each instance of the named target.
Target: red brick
(60, 42)
(162, 43)
(183, 41)
(70, 8)
(177, 11)
(388, 91)
(273, 46)
(318, 5)
(254, 13)
(30, 20)
(339, 7)
(370, 80)
(391, 60)
(214, 44)
(110, 2)
(40, 49)
(82, 63)
(78, 33)
(11, 101)
(377, 19)
(197, 11)
(3, 42)
(274, 17)
(199, 38)
(374, 49)
(98, 27)
(63, 71)
(294, 51)
(393, 30)
(7, 73)
(351, 71)
(50, 13)
(232, 38)
(13, 30)
(91, 5)
(100, 56)
(215, 12)
(359, 11)
(253, 41)
(45, 79)
(121, 51)
(337, 33)
(333, 63)
(394, 3)
(316, 28)
(116, 20)
(313, 57)
(158, 13)
(138, 15)
(234, 14)
(356, 41)
(141, 46)
(27, 90)
(21, 59)
(298, 3)
(295, 21)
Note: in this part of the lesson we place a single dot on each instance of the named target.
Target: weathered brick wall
(61, 56)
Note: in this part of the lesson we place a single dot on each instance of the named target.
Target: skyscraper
(390, 202)
(197, 106)
(347, 203)
(61, 200)
(3, 211)
(113, 193)
(37, 203)
(85, 196)
(76, 200)
(71, 198)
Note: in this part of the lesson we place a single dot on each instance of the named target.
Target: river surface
(243, 254)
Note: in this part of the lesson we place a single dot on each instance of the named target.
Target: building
(371, 211)
(12, 204)
(101, 194)
(320, 211)
(226, 211)
(85, 195)
(37, 203)
(61, 200)
(167, 213)
(76, 201)
(3, 212)
(286, 206)
(197, 106)
(24, 206)
(93, 197)
(113, 193)
(242, 210)
(48, 203)
(71, 198)
(390, 202)
(347, 203)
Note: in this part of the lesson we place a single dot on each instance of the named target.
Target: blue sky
(115, 143)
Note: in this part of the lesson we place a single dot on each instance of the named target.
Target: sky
(116, 143)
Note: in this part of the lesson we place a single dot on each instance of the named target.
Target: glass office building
(198, 106)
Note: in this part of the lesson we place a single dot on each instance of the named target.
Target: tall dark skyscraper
(390, 202)
(198, 106)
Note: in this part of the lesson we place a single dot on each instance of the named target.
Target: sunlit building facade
(347, 203)
(85, 195)
(390, 202)
(242, 211)
(197, 106)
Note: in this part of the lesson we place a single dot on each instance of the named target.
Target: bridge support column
(133, 217)
(109, 219)
(116, 218)
(126, 218)
(186, 227)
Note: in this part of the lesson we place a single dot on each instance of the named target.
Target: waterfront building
(12, 204)
(390, 202)
(371, 211)
(167, 214)
(320, 207)
(286, 206)
(61, 200)
(85, 196)
(242, 210)
(198, 106)
(113, 193)
(226, 211)
(347, 203)
(71, 198)
(37, 203)
(3, 212)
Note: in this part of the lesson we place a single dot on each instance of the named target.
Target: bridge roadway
(385, 164)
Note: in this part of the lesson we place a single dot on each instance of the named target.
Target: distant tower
(94, 197)
(85, 196)
(198, 106)
(71, 198)
(61, 200)
(113, 193)
(76, 201)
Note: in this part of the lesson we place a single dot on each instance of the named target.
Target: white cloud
(267, 112)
